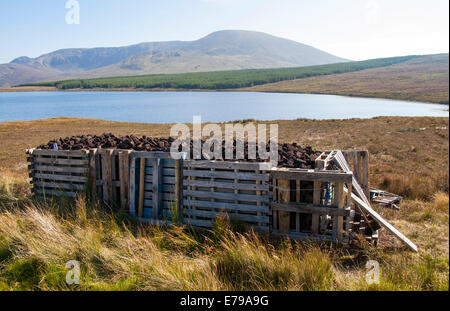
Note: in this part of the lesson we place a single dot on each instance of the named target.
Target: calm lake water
(171, 107)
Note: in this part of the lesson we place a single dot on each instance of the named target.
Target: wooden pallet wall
(59, 173)
(237, 191)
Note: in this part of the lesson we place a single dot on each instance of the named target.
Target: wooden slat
(107, 174)
(306, 208)
(226, 206)
(60, 177)
(198, 222)
(60, 153)
(165, 179)
(44, 184)
(179, 189)
(93, 173)
(214, 215)
(141, 187)
(284, 197)
(226, 175)
(61, 169)
(316, 201)
(56, 161)
(164, 187)
(124, 178)
(132, 193)
(227, 196)
(227, 185)
(48, 192)
(229, 165)
(156, 181)
(323, 176)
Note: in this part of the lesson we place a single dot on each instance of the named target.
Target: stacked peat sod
(289, 155)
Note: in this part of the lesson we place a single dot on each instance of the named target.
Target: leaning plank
(226, 206)
(310, 175)
(306, 208)
(383, 222)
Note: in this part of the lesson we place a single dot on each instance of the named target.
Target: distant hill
(424, 78)
(222, 50)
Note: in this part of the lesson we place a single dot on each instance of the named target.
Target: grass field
(408, 156)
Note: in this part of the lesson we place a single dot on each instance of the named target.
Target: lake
(172, 107)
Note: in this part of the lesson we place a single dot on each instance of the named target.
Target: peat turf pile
(289, 155)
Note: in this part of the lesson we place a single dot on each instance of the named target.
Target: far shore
(55, 89)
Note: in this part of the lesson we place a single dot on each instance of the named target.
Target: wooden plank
(124, 176)
(229, 165)
(198, 222)
(59, 153)
(323, 176)
(59, 177)
(284, 197)
(228, 196)
(165, 179)
(107, 174)
(52, 185)
(227, 185)
(56, 161)
(156, 181)
(305, 236)
(316, 201)
(61, 169)
(226, 175)
(165, 196)
(383, 222)
(47, 192)
(307, 208)
(150, 155)
(179, 189)
(164, 187)
(93, 173)
(132, 193)
(214, 215)
(274, 199)
(297, 200)
(226, 206)
(339, 220)
(141, 187)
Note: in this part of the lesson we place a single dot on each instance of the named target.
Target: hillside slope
(423, 79)
(222, 50)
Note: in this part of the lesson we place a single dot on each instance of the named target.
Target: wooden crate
(236, 190)
(311, 204)
(60, 173)
(153, 193)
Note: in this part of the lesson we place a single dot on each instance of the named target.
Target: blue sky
(353, 29)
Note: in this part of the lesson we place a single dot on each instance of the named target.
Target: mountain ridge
(220, 50)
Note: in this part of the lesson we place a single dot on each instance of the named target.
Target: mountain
(222, 50)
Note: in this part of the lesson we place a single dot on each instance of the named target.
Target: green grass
(219, 80)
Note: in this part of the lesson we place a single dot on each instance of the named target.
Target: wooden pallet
(59, 173)
(234, 190)
(302, 209)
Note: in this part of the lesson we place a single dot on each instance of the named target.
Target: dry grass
(407, 155)
(115, 253)
(423, 79)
